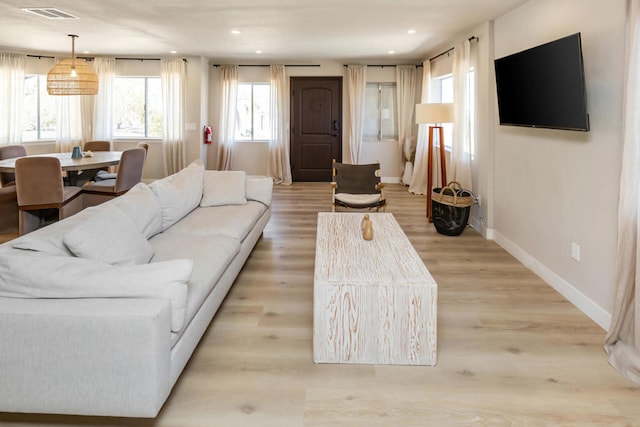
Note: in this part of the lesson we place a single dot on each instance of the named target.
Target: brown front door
(316, 127)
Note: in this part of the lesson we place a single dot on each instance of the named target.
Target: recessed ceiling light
(235, 32)
(86, 51)
(174, 52)
(391, 52)
(411, 31)
(258, 52)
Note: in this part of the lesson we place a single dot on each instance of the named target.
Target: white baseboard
(577, 298)
(477, 225)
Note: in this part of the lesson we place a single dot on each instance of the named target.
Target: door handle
(335, 125)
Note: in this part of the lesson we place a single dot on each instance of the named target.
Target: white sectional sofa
(100, 312)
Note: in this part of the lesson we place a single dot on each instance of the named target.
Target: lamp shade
(62, 81)
(434, 113)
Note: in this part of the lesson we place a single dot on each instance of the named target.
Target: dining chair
(42, 196)
(129, 174)
(90, 174)
(104, 175)
(10, 152)
(357, 186)
(97, 146)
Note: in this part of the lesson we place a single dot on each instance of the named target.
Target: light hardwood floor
(511, 350)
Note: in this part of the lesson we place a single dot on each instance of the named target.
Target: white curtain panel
(278, 166)
(406, 100)
(462, 126)
(354, 117)
(105, 69)
(173, 79)
(69, 121)
(12, 69)
(622, 342)
(228, 111)
(419, 179)
(86, 113)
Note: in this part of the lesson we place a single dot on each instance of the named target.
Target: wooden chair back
(10, 152)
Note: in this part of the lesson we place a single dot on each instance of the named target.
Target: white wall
(552, 188)
(252, 156)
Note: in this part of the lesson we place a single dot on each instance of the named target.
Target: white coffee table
(374, 301)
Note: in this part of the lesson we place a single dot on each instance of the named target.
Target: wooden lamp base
(443, 166)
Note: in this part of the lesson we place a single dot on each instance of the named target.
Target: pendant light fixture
(72, 76)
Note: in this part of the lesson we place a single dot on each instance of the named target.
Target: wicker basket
(450, 207)
(453, 195)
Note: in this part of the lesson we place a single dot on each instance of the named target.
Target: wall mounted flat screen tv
(544, 86)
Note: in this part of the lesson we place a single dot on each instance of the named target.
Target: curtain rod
(268, 65)
(384, 65)
(449, 50)
(144, 59)
(88, 58)
(91, 58)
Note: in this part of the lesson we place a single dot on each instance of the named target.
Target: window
(444, 90)
(39, 119)
(253, 119)
(380, 112)
(137, 107)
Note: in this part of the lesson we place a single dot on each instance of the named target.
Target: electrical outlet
(575, 251)
(479, 199)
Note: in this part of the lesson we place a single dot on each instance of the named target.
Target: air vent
(50, 12)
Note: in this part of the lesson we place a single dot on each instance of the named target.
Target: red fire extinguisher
(207, 135)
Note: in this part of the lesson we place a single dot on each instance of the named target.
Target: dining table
(72, 166)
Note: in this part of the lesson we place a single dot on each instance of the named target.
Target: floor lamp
(434, 114)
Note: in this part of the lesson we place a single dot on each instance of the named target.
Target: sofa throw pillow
(141, 205)
(109, 236)
(50, 239)
(259, 188)
(179, 193)
(224, 188)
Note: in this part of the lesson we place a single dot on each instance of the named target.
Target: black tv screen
(544, 86)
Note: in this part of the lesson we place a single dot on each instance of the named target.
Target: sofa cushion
(109, 236)
(141, 205)
(71, 277)
(49, 239)
(224, 188)
(259, 188)
(231, 221)
(180, 193)
(211, 257)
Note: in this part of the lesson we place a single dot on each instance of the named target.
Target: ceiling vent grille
(50, 13)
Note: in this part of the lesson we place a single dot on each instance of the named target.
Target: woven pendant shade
(62, 80)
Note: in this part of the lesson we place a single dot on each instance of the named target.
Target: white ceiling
(284, 30)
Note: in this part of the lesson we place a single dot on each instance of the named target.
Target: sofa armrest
(260, 189)
(85, 356)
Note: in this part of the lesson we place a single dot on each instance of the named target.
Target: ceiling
(283, 30)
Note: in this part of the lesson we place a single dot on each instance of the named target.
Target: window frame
(437, 87)
(252, 114)
(378, 137)
(41, 79)
(147, 120)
